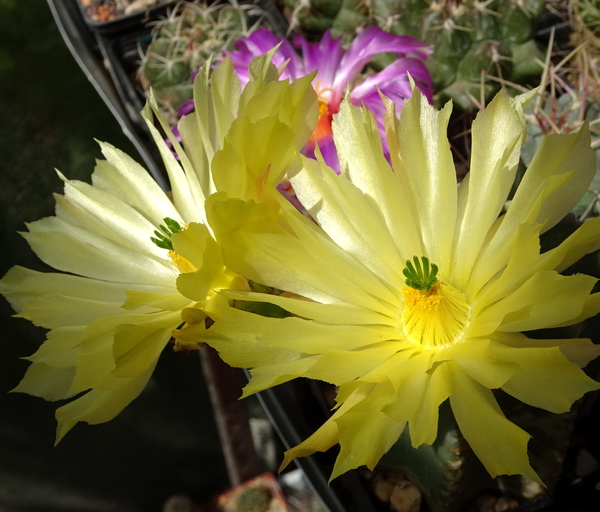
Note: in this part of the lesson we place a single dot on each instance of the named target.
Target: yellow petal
(352, 219)
(522, 263)
(544, 300)
(188, 195)
(361, 157)
(498, 133)
(137, 299)
(261, 72)
(545, 377)
(235, 334)
(314, 338)
(560, 173)
(47, 382)
(197, 245)
(327, 435)
(259, 249)
(60, 348)
(498, 443)
(294, 104)
(577, 350)
(584, 241)
(225, 90)
(425, 152)
(254, 158)
(591, 307)
(410, 380)
(365, 433)
(52, 311)
(102, 213)
(98, 406)
(424, 423)
(325, 313)
(95, 361)
(137, 346)
(266, 376)
(478, 360)
(21, 285)
(556, 155)
(122, 177)
(72, 249)
(340, 366)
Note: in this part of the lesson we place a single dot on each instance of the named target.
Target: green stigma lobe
(420, 277)
(163, 240)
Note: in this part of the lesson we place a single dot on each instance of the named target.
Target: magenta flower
(337, 69)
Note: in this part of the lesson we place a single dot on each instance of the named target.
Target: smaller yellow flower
(124, 291)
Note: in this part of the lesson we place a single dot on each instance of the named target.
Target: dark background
(165, 443)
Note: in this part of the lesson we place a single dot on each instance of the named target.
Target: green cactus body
(183, 42)
(473, 40)
(313, 17)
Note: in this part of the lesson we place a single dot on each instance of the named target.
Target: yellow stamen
(183, 264)
(436, 318)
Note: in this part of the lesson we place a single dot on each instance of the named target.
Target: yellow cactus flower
(137, 264)
(412, 290)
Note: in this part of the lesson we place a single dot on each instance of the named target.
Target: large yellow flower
(411, 290)
(114, 310)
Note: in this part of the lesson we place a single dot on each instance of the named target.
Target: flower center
(163, 240)
(323, 128)
(435, 314)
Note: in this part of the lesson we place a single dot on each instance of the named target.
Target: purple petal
(371, 41)
(328, 151)
(393, 81)
(186, 108)
(324, 56)
(286, 190)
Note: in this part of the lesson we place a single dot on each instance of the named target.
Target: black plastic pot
(87, 51)
(125, 22)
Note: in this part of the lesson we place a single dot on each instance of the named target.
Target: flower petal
(99, 405)
(497, 442)
(498, 133)
(478, 360)
(545, 300)
(366, 433)
(327, 435)
(545, 377)
(47, 382)
(122, 177)
(425, 153)
(559, 174)
(72, 249)
(324, 313)
(137, 346)
(304, 263)
(352, 219)
(197, 245)
(361, 159)
(371, 41)
(424, 422)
